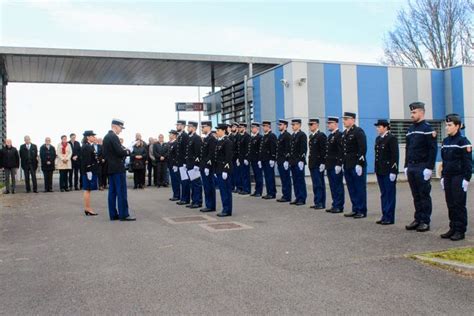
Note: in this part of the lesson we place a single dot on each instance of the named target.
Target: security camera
(285, 82)
(301, 81)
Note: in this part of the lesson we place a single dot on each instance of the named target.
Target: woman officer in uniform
(89, 165)
(456, 152)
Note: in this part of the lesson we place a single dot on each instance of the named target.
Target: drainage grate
(189, 219)
(216, 227)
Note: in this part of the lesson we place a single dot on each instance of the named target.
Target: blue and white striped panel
(423, 85)
(349, 88)
(316, 96)
(468, 88)
(267, 96)
(395, 93)
(332, 91)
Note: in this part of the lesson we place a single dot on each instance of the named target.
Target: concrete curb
(458, 266)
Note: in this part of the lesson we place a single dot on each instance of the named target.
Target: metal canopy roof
(45, 65)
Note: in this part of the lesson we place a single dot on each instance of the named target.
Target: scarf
(63, 148)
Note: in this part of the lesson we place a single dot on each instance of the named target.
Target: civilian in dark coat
(76, 163)
(10, 162)
(160, 152)
(48, 158)
(101, 164)
(138, 159)
(29, 163)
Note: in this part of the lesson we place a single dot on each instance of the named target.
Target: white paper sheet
(184, 173)
(193, 174)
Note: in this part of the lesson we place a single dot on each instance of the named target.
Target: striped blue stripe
(279, 94)
(437, 94)
(457, 91)
(257, 102)
(373, 100)
(332, 91)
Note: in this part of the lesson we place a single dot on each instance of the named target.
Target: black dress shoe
(387, 223)
(244, 193)
(457, 236)
(13, 191)
(181, 203)
(128, 219)
(62, 190)
(447, 234)
(114, 219)
(206, 210)
(258, 195)
(293, 202)
(174, 199)
(253, 194)
(223, 214)
(359, 215)
(268, 197)
(313, 206)
(423, 227)
(379, 221)
(195, 206)
(318, 207)
(412, 226)
(7, 192)
(35, 191)
(351, 214)
(336, 211)
(282, 200)
(299, 203)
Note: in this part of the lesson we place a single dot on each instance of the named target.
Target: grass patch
(463, 255)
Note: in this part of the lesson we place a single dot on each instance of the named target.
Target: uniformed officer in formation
(208, 154)
(456, 153)
(183, 140)
(316, 163)
(355, 165)
(386, 169)
(254, 158)
(298, 150)
(234, 138)
(268, 157)
(334, 161)
(223, 169)
(193, 162)
(243, 160)
(283, 157)
(420, 158)
(173, 163)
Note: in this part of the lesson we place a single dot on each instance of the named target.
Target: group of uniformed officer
(225, 161)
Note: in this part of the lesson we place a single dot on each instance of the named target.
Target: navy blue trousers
(388, 195)
(258, 175)
(285, 178)
(209, 190)
(299, 184)
(337, 188)
(357, 187)
(118, 196)
(456, 201)
(175, 186)
(185, 190)
(269, 173)
(319, 187)
(196, 191)
(225, 190)
(235, 177)
(245, 177)
(421, 192)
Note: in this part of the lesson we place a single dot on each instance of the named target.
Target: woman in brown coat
(63, 162)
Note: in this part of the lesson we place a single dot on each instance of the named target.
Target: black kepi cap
(349, 115)
(269, 123)
(416, 105)
(256, 124)
(206, 123)
(382, 122)
(243, 124)
(193, 123)
(173, 131)
(118, 123)
(313, 120)
(88, 133)
(296, 121)
(222, 126)
(235, 124)
(182, 122)
(334, 119)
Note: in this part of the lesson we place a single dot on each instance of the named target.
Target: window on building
(399, 128)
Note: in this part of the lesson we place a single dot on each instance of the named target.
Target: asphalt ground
(294, 260)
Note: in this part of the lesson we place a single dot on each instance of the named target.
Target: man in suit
(355, 165)
(268, 157)
(76, 163)
(334, 159)
(48, 157)
(29, 163)
(193, 162)
(101, 172)
(254, 158)
(115, 155)
(151, 163)
(224, 158)
(9, 162)
(173, 165)
(160, 153)
(316, 163)
(283, 157)
(208, 155)
(299, 147)
(244, 163)
(183, 140)
(386, 169)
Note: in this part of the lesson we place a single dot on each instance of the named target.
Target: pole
(199, 100)
(246, 104)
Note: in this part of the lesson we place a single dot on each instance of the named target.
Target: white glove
(286, 165)
(393, 177)
(259, 164)
(465, 184)
(322, 167)
(175, 168)
(224, 175)
(184, 166)
(300, 165)
(442, 183)
(427, 174)
(246, 162)
(359, 170)
(406, 172)
(89, 175)
(272, 163)
(196, 168)
(206, 171)
(237, 162)
(338, 169)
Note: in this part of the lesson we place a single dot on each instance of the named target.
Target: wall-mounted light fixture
(301, 81)
(285, 82)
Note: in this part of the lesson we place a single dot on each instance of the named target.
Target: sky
(318, 30)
